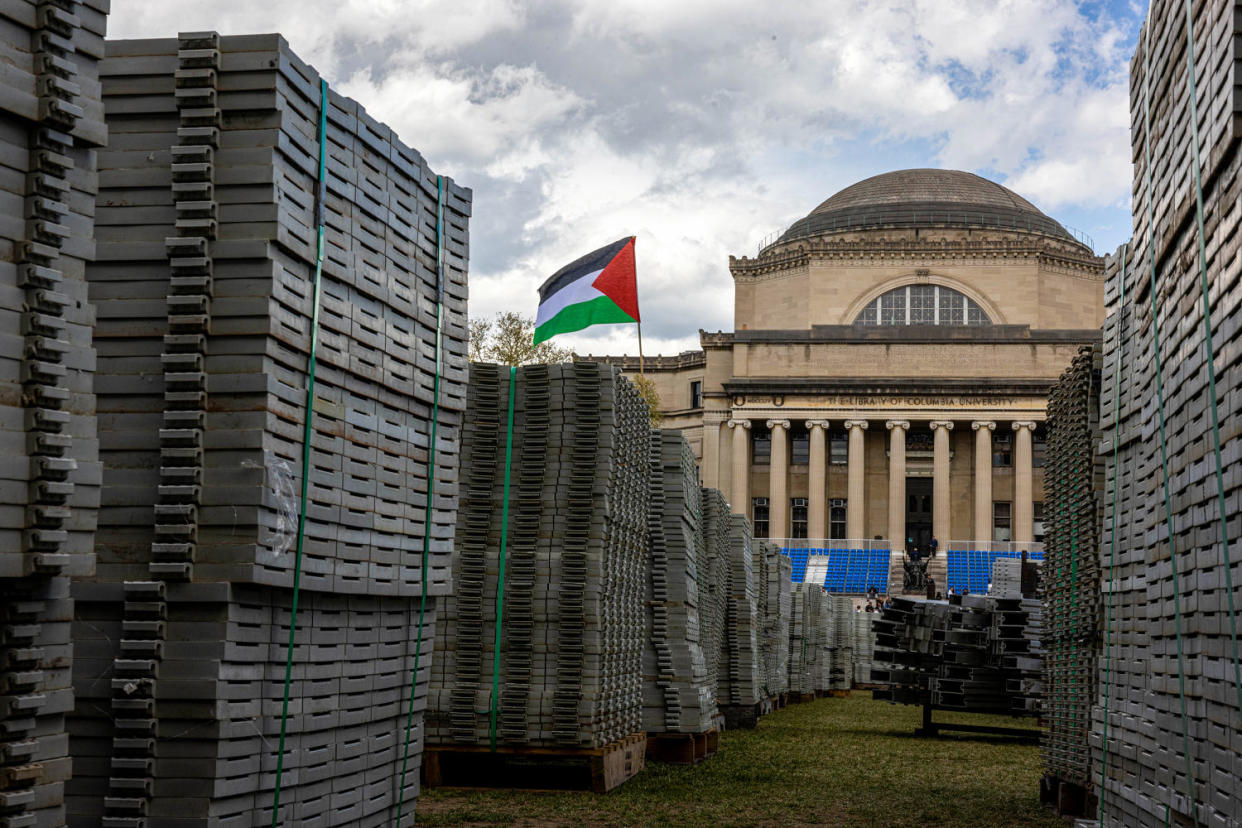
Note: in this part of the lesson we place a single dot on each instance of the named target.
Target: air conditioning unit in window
(799, 501)
(837, 501)
(761, 501)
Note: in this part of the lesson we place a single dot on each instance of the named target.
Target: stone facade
(894, 426)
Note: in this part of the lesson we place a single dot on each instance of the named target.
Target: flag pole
(642, 369)
(641, 366)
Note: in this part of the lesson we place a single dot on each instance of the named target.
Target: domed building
(888, 371)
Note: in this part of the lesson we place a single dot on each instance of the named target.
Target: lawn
(840, 762)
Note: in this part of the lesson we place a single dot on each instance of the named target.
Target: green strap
(504, 541)
(1210, 355)
(424, 575)
(306, 442)
(1164, 443)
(1112, 546)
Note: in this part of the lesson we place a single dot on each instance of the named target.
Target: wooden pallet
(742, 715)
(682, 748)
(1066, 799)
(801, 698)
(870, 686)
(838, 694)
(535, 768)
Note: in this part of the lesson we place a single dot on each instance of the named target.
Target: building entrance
(919, 512)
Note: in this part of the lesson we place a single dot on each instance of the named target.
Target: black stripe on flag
(595, 260)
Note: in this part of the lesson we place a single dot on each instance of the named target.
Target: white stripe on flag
(579, 290)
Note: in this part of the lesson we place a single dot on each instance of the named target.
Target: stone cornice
(1015, 248)
(920, 335)
(890, 386)
(684, 360)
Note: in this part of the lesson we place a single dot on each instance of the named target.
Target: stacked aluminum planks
(207, 250)
(864, 646)
(677, 697)
(208, 221)
(714, 526)
(1165, 731)
(976, 653)
(1074, 480)
(841, 643)
(774, 607)
(51, 121)
(738, 676)
(808, 650)
(568, 672)
(219, 700)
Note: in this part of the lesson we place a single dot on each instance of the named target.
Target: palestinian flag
(601, 288)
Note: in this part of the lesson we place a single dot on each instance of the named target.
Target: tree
(506, 339)
(647, 390)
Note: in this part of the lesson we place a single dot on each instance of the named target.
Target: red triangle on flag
(619, 280)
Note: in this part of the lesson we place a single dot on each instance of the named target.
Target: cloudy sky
(703, 126)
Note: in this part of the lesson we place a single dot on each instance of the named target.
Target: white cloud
(701, 125)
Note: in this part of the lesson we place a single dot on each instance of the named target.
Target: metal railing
(1035, 548)
(865, 544)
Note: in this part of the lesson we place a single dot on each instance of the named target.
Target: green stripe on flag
(598, 311)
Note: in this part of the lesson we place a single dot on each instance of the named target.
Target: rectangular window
(1038, 528)
(1001, 521)
(696, 394)
(797, 525)
(893, 308)
(760, 506)
(836, 520)
(761, 446)
(800, 443)
(1039, 446)
(838, 448)
(922, 305)
(1002, 450)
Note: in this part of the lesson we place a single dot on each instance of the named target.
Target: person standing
(935, 544)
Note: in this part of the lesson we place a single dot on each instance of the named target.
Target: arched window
(922, 305)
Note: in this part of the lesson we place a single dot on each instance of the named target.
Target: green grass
(840, 762)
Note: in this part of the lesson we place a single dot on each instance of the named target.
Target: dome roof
(925, 198)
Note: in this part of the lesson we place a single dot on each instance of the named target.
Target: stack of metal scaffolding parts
(541, 643)
(840, 646)
(808, 641)
(677, 697)
(250, 223)
(970, 654)
(775, 601)
(864, 646)
(738, 686)
(51, 119)
(1006, 577)
(715, 530)
(1165, 735)
(1073, 487)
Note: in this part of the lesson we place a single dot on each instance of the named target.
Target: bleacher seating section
(849, 570)
(972, 568)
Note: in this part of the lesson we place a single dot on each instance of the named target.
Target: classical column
(897, 482)
(724, 454)
(817, 481)
(709, 469)
(983, 478)
(940, 481)
(855, 508)
(1023, 484)
(739, 492)
(778, 480)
